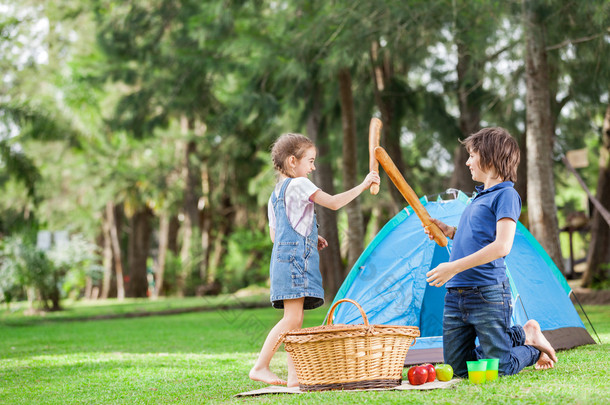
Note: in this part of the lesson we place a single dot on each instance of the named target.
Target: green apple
(444, 372)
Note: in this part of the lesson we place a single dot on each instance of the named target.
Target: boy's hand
(372, 177)
(438, 276)
(322, 243)
(447, 230)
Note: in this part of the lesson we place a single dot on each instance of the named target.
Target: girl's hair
(497, 149)
(289, 145)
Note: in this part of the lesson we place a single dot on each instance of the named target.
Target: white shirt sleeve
(301, 188)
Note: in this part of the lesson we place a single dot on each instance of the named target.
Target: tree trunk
(164, 227)
(116, 249)
(172, 239)
(521, 184)
(55, 294)
(206, 228)
(189, 254)
(139, 246)
(355, 229)
(222, 231)
(107, 262)
(542, 211)
(382, 76)
(598, 259)
(470, 115)
(88, 287)
(331, 266)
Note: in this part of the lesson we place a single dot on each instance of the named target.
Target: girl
(296, 282)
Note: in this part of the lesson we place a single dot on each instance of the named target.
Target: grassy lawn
(204, 357)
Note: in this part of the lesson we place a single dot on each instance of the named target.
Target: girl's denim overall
(295, 262)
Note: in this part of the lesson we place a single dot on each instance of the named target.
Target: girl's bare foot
(265, 375)
(292, 383)
(293, 379)
(534, 337)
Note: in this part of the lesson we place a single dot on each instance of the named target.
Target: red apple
(417, 375)
(431, 372)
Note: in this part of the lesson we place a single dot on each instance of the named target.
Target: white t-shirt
(299, 208)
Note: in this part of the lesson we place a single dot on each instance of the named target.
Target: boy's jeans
(484, 312)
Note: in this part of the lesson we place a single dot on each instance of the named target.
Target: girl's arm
(272, 234)
(505, 234)
(334, 202)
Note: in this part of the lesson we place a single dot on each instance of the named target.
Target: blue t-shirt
(477, 229)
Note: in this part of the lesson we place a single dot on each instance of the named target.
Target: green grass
(112, 308)
(204, 357)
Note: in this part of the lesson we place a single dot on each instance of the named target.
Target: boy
(478, 299)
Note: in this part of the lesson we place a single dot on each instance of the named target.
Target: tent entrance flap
(431, 315)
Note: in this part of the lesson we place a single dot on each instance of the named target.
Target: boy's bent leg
(534, 337)
(490, 311)
(458, 336)
(526, 335)
(516, 335)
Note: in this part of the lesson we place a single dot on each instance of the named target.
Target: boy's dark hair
(497, 149)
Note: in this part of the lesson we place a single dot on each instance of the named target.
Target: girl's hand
(447, 230)
(438, 276)
(372, 177)
(322, 243)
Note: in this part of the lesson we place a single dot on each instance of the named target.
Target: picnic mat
(279, 389)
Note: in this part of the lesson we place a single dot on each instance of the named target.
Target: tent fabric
(388, 281)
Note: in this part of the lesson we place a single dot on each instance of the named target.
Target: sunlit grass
(204, 357)
(88, 309)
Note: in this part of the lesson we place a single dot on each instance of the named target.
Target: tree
(355, 234)
(542, 212)
(598, 260)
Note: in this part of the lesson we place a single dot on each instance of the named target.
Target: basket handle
(329, 319)
(279, 341)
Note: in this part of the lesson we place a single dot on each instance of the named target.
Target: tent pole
(587, 316)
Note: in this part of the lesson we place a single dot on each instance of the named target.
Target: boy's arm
(505, 234)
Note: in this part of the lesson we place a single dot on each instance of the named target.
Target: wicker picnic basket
(344, 357)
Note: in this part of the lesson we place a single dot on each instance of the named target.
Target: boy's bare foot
(534, 337)
(544, 362)
(265, 375)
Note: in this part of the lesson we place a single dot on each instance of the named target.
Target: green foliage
(19, 166)
(30, 267)
(100, 97)
(601, 280)
(247, 259)
(60, 271)
(78, 259)
(173, 267)
(9, 282)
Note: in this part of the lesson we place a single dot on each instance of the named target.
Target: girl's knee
(294, 321)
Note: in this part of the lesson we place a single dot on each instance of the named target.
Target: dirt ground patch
(587, 296)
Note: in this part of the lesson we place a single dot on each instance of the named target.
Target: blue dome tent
(388, 281)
